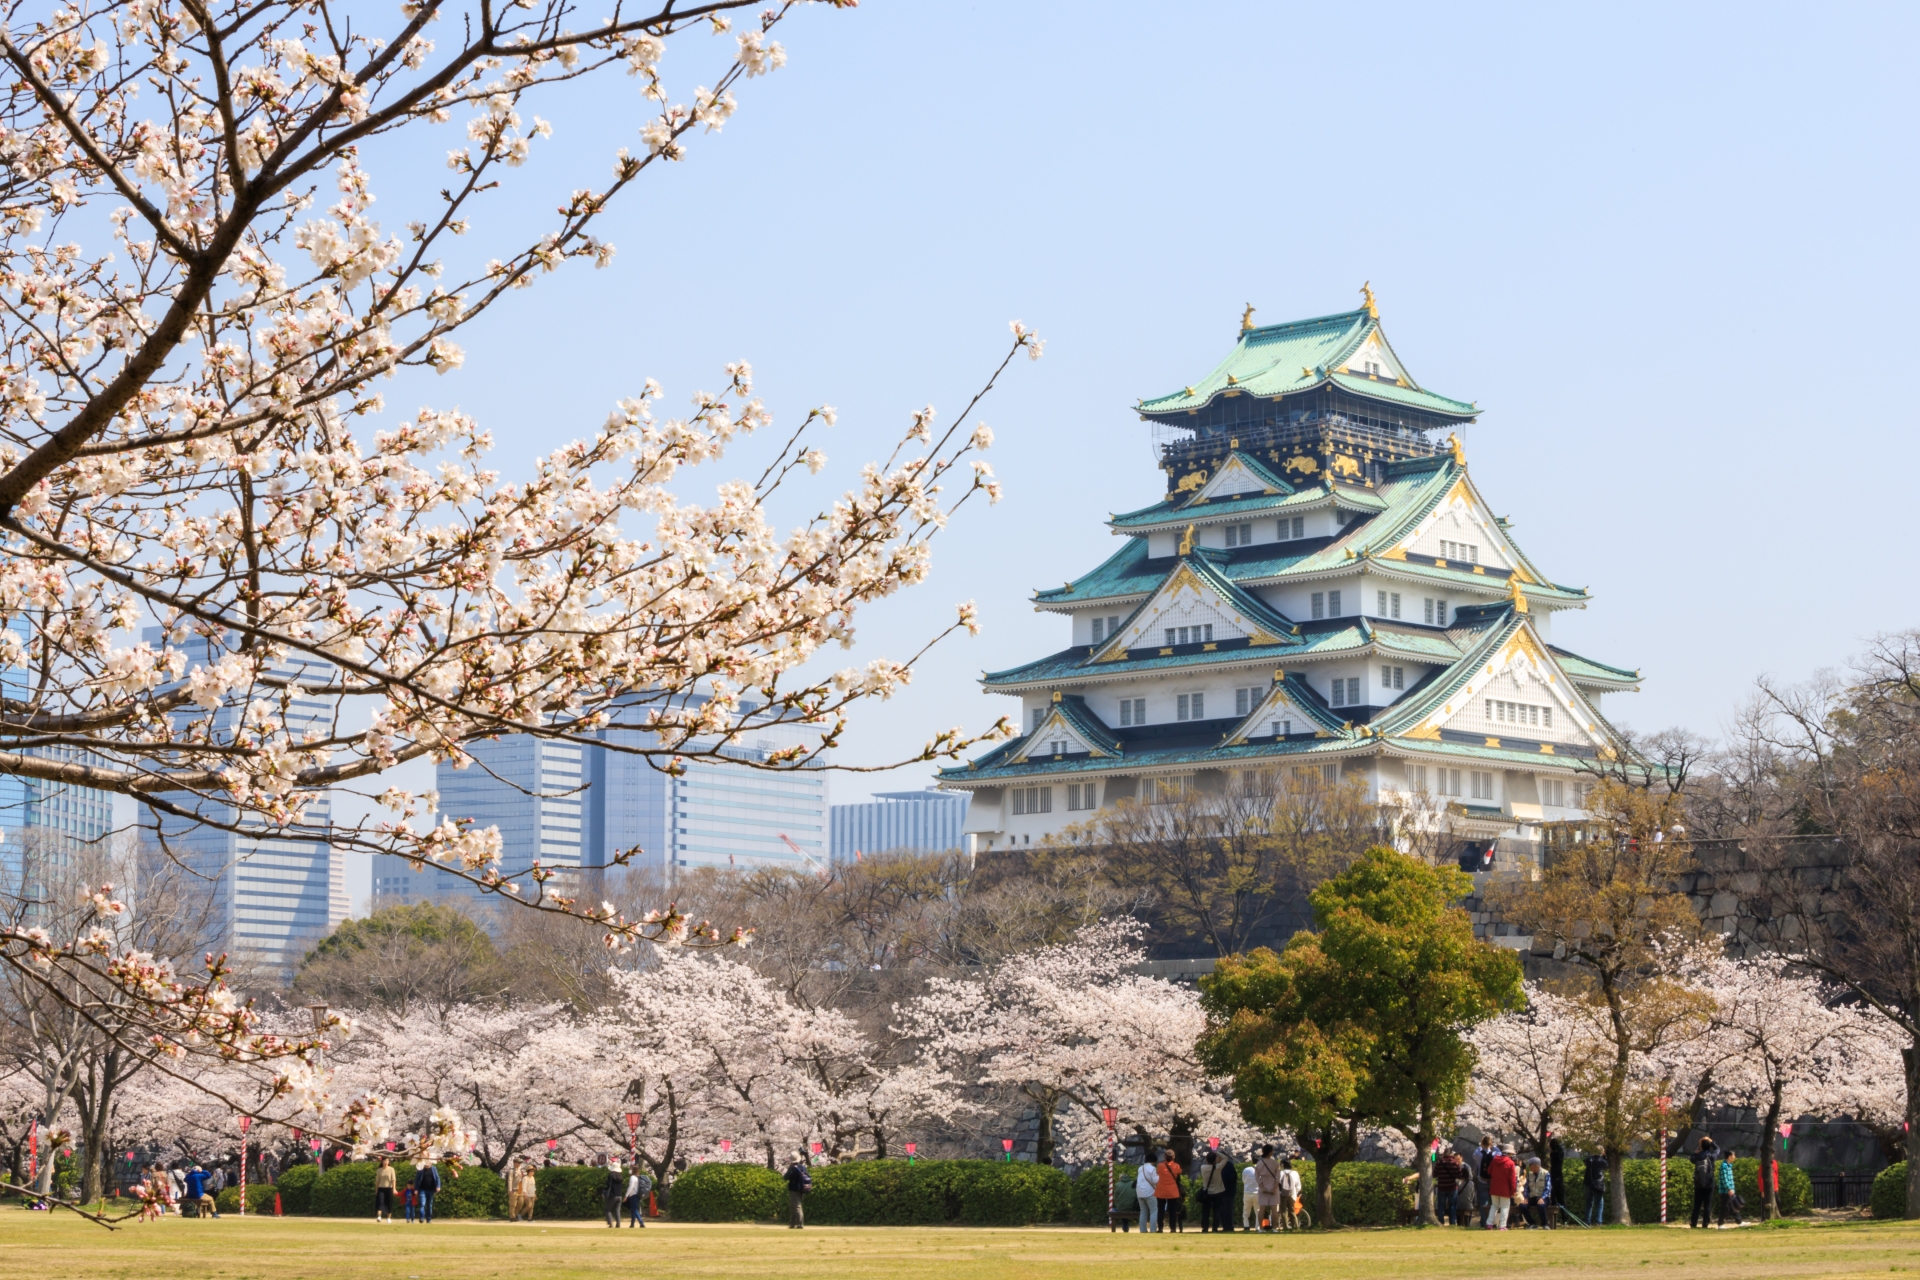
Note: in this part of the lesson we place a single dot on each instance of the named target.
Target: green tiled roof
(1587, 669)
(1282, 359)
(1184, 510)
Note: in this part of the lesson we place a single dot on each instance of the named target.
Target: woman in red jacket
(1503, 1184)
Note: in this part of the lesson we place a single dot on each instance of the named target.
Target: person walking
(638, 1185)
(1729, 1198)
(426, 1185)
(1595, 1180)
(1503, 1185)
(1250, 1195)
(799, 1182)
(1146, 1181)
(1267, 1187)
(529, 1188)
(1170, 1193)
(384, 1182)
(1703, 1159)
(1449, 1171)
(1536, 1188)
(1289, 1179)
(1217, 1190)
(1482, 1161)
(613, 1189)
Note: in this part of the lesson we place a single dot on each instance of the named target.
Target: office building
(929, 821)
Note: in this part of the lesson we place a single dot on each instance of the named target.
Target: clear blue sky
(1669, 248)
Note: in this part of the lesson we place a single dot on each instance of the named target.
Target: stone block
(1723, 904)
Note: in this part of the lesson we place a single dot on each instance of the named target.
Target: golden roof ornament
(1056, 695)
(1246, 319)
(1518, 596)
(1459, 450)
(1366, 292)
(1186, 542)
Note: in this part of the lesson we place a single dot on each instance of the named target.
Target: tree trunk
(1324, 1164)
(1617, 1186)
(1424, 1212)
(1912, 1055)
(1769, 1163)
(1043, 1133)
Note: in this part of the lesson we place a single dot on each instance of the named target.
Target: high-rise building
(582, 806)
(277, 892)
(929, 821)
(1323, 586)
(42, 821)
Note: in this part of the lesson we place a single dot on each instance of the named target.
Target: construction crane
(812, 862)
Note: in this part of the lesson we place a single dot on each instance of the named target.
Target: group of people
(624, 1191)
(1494, 1183)
(186, 1189)
(1713, 1186)
(1269, 1188)
(416, 1197)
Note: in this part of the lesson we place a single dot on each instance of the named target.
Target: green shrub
(875, 1193)
(259, 1198)
(1889, 1199)
(346, 1190)
(568, 1191)
(1796, 1188)
(731, 1192)
(478, 1192)
(296, 1187)
(1089, 1195)
(1016, 1194)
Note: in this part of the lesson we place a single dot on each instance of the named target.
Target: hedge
(346, 1191)
(729, 1192)
(296, 1187)
(1643, 1188)
(1365, 1193)
(1889, 1199)
(259, 1198)
(881, 1193)
(568, 1191)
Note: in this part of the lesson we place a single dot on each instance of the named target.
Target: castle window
(1039, 714)
(1319, 605)
(1436, 613)
(1239, 535)
(1296, 527)
(1465, 552)
(1032, 800)
(1329, 774)
(1482, 785)
(1393, 677)
(1190, 706)
(1553, 791)
(1333, 604)
(1082, 795)
(1416, 777)
(1245, 700)
(1133, 711)
(1282, 728)
(1393, 605)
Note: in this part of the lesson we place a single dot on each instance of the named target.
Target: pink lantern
(1213, 1144)
(816, 1148)
(726, 1144)
(911, 1148)
(633, 1121)
(246, 1123)
(1786, 1131)
(552, 1143)
(389, 1146)
(1006, 1144)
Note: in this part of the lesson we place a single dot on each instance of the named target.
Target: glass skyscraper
(276, 892)
(930, 821)
(41, 821)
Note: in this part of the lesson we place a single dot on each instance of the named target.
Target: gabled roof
(1071, 718)
(1598, 674)
(1289, 693)
(1265, 624)
(1285, 359)
(1180, 509)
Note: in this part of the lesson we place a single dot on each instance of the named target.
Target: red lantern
(911, 1148)
(389, 1146)
(633, 1121)
(816, 1148)
(1213, 1144)
(552, 1143)
(1111, 1115)
(726, 1144)
(246, 1123)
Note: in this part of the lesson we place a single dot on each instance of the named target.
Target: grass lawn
(59, 1245)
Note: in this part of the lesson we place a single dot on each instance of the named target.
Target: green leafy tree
(1362, 1022)
(405, 957)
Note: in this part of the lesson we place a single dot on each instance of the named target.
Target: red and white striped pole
(1663, 1160)
(246, 1122)
(1111, 1116)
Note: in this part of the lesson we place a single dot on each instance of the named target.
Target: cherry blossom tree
(1073, 1028)
(193, 440)
(1526, 1064)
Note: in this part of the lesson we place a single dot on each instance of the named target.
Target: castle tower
(1323, 585)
